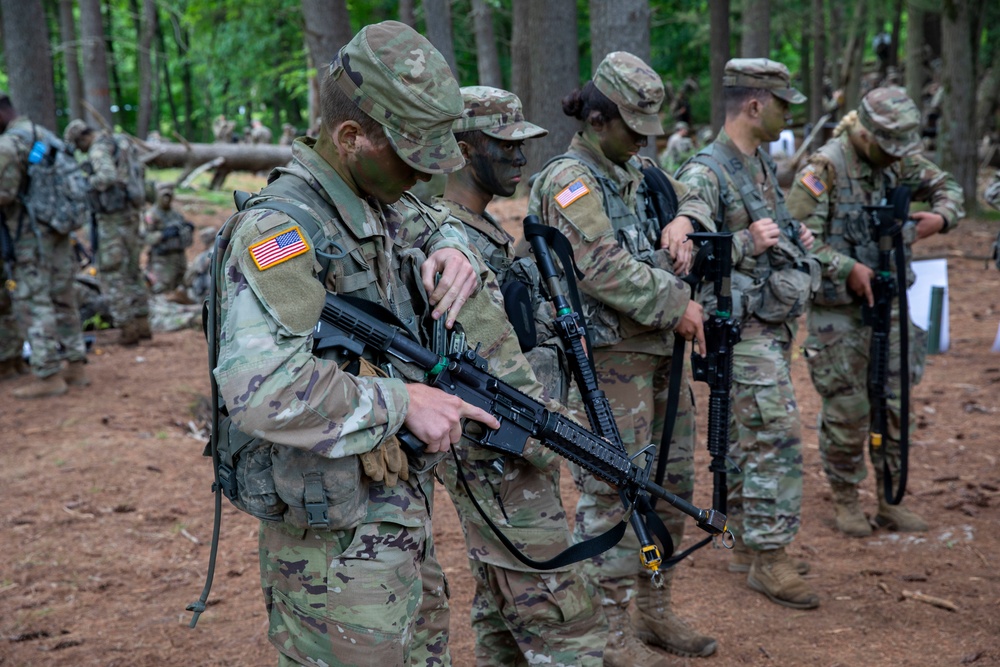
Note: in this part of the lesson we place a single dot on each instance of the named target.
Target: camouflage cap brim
(898, 145)
(438, 155)
(516, 131)
(790, 95)
(646, 124)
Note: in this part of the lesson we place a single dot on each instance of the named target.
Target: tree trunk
(95, 62)
(237, 157)
(836, 47)
(520, 56)
(487, 57)
(327, 28)
(109, 42)
(987, 97)
(406, 14)
(618, 25)
(554, 62)
(28, 61)
(186, 74)
(167, 88)
(958, 141)
(915, 73)
(718, 56)
(756, 29)
(850, 73)
(146, 67)
(819, 61)
(71, 59)
(437, 15)
(897, 26)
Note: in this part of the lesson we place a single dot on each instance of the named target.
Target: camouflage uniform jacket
(273, 386)
(13, 170)
(632, 301)
(830, 190)
(105, 161)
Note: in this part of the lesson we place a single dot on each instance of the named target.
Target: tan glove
(386, 463)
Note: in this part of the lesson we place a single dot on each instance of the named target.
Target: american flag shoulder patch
(813, 183)
(572, 192)
(278, 248)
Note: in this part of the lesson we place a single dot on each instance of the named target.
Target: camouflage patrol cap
(496, 113)
(761, 73)
(890, 115)
(398, 78)
(76, 129)
(635, 88)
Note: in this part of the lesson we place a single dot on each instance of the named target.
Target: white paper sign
(930, 273)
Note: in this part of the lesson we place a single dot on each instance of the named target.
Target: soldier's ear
(345, 136)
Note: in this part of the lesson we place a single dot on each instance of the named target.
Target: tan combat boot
(51, 385)
(897, 517)
(623, 648)
(656, 624)
(75, 374)
(773, 574)
(128, 334)
(850, 519)
(142, 325)
(742, 558)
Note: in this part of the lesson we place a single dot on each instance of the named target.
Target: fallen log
(236, 157)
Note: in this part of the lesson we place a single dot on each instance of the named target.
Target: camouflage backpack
(56, 191)
(131, 170)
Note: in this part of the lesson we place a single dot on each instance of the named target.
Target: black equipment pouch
(520, 311)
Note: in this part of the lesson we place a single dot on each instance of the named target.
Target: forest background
(172, 66)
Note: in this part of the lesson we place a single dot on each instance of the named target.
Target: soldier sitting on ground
(168, 234)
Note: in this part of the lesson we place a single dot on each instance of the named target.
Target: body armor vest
(275, 482)
(636, 231)
(780, 282)
(849, 229)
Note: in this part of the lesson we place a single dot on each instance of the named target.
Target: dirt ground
(106, 521)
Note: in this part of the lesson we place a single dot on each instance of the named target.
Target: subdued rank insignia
(278, 248)
(571, 193)
(813, 184)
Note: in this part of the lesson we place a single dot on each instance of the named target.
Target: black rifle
(714, 264)
(571, 331)
(886, 222)
(464, 374)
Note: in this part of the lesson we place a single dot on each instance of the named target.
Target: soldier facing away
(358, 582)
(633, 306)
(198, 277)
(168, 235)
(773, 279)
(874, 149)
(43, 266)
(120, 190)
(519, 615)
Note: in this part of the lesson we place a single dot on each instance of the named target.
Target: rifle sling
(904, 383)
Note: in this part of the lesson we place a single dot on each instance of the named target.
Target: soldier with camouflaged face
(118, 217)
(168, 234)
(874, 149)
(43, 266)
(634, 305)
(773, 278)
(519, 615)
(347, 561)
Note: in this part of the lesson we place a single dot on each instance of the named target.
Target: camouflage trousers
(523, 616)
(44, 300)
(11, 341)
(838, 351)
(372, 595)
(765, 498)
(636, 386)
(119, 251)
(167, 271)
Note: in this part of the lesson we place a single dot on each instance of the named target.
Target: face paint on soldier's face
(877, 156)
(496, 166)
(380, 173)
(619, 142)
(774, 118)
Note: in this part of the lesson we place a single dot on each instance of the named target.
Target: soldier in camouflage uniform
(168, 234)
(198, 277)
(992, 197)
(773, 278)
(118, 218)
(521, 616)
(356, 582)
(873, 150)
(11, 339)
(43, 266)
(634, 306)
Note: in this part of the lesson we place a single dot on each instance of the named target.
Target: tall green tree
(28, 60)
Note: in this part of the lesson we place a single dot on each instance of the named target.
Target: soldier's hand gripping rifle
(886, 222)
(465, 375)
(571, 331)
(714, 264)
